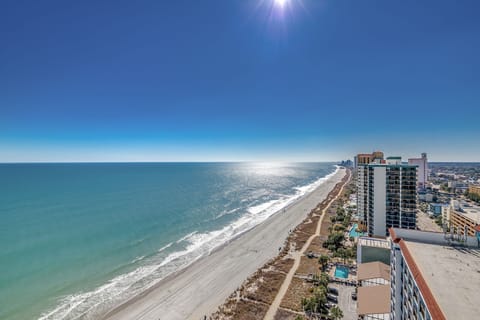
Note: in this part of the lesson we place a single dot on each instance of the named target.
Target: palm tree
(324, 279)
(323, 260)
(336, 313)
(342, 253)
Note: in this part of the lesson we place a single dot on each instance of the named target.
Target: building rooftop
(470, 211)
(373, 300)
(453, 276)
(373, 270)
(374, 242)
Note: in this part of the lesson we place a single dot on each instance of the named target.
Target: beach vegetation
(317, 303)
(336, 313)
(323, 261)
(335, 241)
(321, 280)
(439, 220)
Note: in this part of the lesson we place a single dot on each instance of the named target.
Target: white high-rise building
(422, 164)
(387, 195)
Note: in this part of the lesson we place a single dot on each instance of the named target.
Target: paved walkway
(297, 255)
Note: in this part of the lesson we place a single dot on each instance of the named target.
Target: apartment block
(422, 172)
(361, 162)
(391, 199)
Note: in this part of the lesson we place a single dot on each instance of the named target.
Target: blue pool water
(341, 272)
(353, 232)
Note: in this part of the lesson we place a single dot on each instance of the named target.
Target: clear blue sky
(238, 79)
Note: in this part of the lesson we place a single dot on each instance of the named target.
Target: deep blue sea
(77, 239)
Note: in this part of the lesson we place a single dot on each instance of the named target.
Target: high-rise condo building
(422, 173)
(361, 161)
(386, 195)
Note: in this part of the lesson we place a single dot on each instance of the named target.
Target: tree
(342, 253)
(336, 313)
(323, 260)
(324, 280)
(317, 302)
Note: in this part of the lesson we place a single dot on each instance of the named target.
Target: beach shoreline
(197, 290)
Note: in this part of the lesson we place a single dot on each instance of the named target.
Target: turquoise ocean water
(77, 239)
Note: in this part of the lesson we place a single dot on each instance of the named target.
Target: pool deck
(352, 277)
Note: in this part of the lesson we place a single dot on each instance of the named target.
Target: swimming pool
(341, 272)
(353, 231)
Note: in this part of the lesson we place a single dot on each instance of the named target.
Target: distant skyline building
(386, 194)
(366, 158)
(434, 275)
(422, 172)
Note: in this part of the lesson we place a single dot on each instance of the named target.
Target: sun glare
(281, 3)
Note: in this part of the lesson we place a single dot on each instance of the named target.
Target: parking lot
(345, 302)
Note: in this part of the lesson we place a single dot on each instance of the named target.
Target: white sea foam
(89, 305)
(165, 247)
(137, 259)
(186, 237)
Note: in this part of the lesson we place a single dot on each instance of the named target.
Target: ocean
(78, 239)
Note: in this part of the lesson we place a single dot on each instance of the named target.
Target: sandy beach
(199, 289)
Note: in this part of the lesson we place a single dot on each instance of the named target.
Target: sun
(281, 3)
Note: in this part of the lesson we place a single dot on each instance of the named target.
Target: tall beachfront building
(434, 276)
(422, 173)
(361, 161)
(386, 195)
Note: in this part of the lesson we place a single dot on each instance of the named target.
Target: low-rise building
(373, 294)
(374, 302)
(373, 274)
(373, 249)
(461, 217)
(474, 189)
(436, 209)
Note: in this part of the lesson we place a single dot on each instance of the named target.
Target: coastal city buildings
(474, 189)
(361, 162)
(387, 194)
(461, 217)
(366, 158)
(422, 171)
(434, 275)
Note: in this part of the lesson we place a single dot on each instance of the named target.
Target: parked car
(332, 298)
(354, 296)
(332, 291)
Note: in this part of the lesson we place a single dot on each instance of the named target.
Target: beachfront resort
(361, 255)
